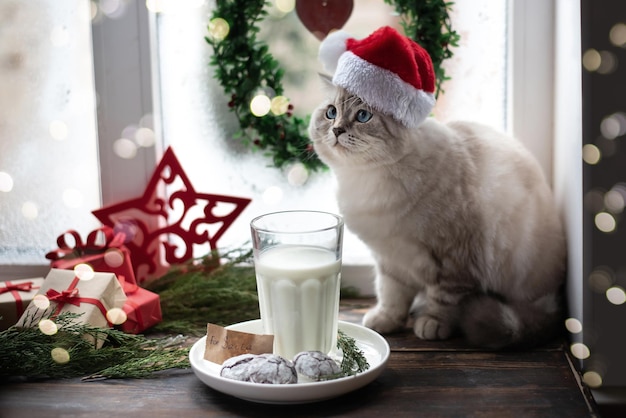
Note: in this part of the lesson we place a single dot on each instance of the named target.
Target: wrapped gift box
(143, 310)
(103, 250)
(15, 295)
(65, 292)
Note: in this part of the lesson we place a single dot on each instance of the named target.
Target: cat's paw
(428, 328)
(379, 320)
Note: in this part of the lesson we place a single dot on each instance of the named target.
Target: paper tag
(222, 343)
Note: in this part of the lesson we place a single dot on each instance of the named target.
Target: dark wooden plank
(426, 383)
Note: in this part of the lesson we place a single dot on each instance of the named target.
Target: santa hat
(387, 70)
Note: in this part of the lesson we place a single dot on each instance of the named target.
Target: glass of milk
(297, 260)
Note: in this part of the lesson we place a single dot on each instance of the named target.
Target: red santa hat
(387, 70)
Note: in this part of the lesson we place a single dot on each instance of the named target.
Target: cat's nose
(338, 131)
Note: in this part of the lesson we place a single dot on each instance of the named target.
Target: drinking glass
(297, 260)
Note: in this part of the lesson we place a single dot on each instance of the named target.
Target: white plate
(374, 347)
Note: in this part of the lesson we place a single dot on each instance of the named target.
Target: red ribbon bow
(70, 295)
(20, 287)
(93, 245)
(65, 296)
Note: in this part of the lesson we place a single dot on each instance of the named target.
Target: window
(191, 113)
(48, 155)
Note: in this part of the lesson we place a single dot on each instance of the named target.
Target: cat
(459, 219)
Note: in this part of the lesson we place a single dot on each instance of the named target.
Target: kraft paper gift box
(15, 295)
(143, 310)
(103, 251)
(65, 292)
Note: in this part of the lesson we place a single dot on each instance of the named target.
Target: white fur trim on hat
(331, 49)
(383, 90)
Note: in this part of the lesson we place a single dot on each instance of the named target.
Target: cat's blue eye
(331, 112)
(363, 115)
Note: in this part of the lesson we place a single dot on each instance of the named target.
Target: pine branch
(26, 352)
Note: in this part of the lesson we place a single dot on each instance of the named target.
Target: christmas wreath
(252, 77)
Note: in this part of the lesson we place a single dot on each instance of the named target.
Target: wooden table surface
(425, 379)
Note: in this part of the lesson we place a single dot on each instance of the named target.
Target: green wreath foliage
(243, 65)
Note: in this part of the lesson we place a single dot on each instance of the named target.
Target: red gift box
(143, 310)
(104, 251)
(15, 295)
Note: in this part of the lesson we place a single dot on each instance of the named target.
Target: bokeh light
(129, 131)
(602, 62)
(592, 379)
(573, 325)
(614, 200)
(616, 295)
(41, 302)
(125, 148)
(608, 63)
(94, 10)
(48, 327)
(113, 257)
(144, 137)
(285, 6)
(605, 222)
(591, 154)
(30, 210)
(113, 9)
(218, 29)
(6, 182)
(60, 355)
(116, 316)
(580, 351)
(156, 6)
(260, 105)
(297, 174)
(617, 35)
(613, 125)
(592, 60)
(279, 105)
(84, 271)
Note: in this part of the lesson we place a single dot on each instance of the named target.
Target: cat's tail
(490, 321)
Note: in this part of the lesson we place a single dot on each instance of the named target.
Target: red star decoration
(161, 232)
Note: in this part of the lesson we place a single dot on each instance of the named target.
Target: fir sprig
(354, 360)
(26, 352)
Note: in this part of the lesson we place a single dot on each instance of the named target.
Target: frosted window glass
(48, 157)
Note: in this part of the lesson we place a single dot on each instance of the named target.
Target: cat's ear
(327, 83)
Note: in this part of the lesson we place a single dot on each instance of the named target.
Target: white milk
(299, 298)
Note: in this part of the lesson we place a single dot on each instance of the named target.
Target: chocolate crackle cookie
(262, 368)
(316, 365)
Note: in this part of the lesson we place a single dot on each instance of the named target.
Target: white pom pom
(331, 49)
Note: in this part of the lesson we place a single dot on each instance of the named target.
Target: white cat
(459, 218)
